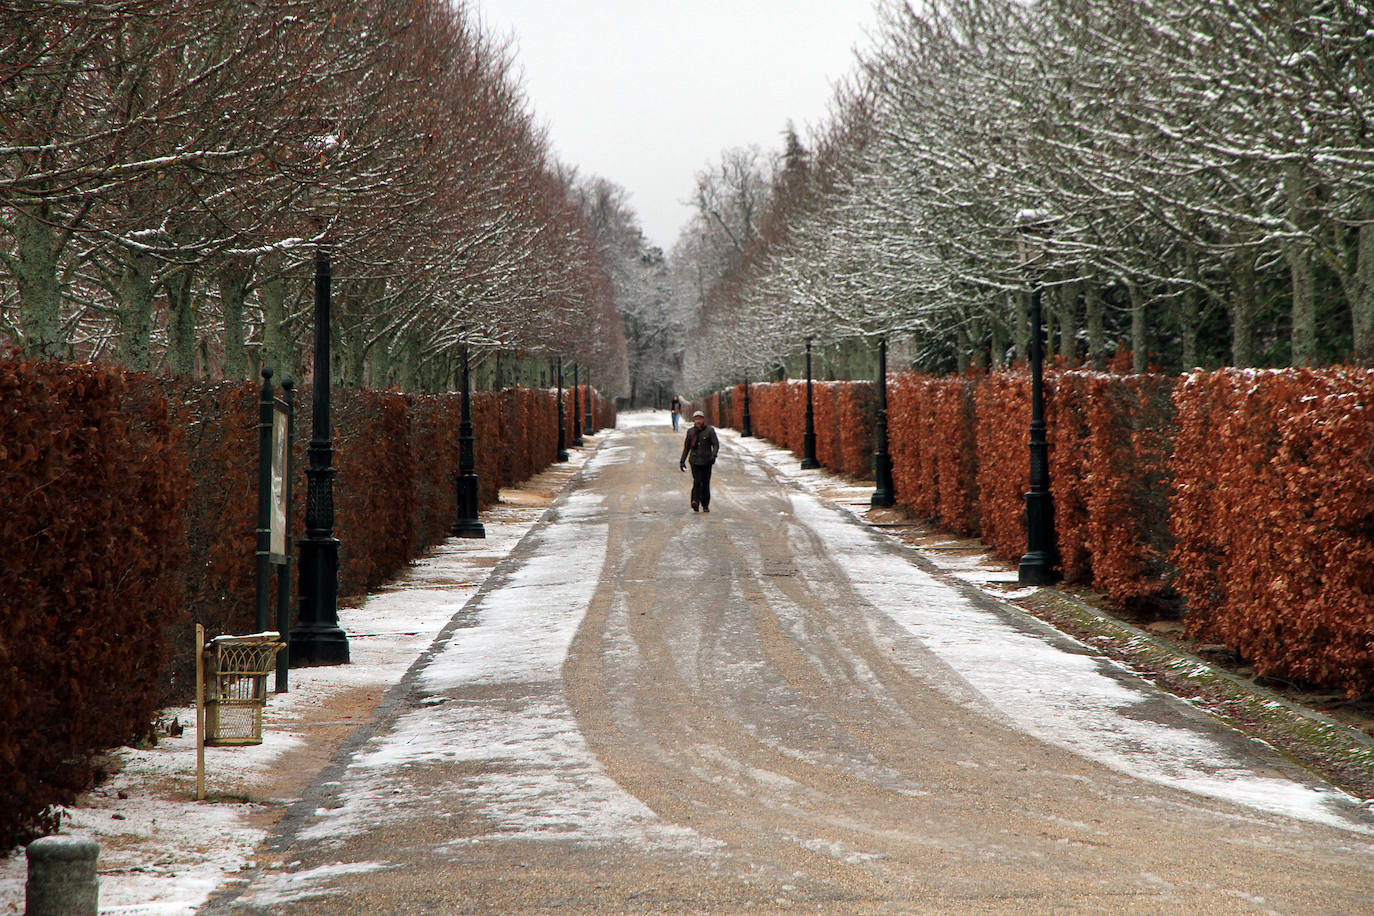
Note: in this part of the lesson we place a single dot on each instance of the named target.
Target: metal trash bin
(236, 669)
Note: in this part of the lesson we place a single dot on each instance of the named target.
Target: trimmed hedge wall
(91, 480)
(131, 514)
(1249, 495)
(1274, 515)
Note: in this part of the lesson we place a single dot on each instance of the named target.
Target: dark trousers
(701, 484)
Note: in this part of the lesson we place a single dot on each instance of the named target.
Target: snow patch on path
(493, 700)
(164, 853)
(1080, 701)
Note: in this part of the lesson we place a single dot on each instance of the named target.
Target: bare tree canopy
(168, 169)
(1200, 174)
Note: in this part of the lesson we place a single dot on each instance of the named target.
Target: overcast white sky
(646, 92)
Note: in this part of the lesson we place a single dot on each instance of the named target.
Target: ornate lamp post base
(318, 642)
(467, 525)
(1037, 565)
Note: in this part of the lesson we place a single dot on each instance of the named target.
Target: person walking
(700, 448)
(676, 408)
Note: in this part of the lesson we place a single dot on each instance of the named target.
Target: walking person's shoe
(705, 508)
(696, 506)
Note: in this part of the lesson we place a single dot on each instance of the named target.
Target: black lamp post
(590, 428)
(317, 638)
(1037, 566)
(467, 525)
(562, 417)
(884, 494)
(809, 436)
(577, 412)
(746, 426)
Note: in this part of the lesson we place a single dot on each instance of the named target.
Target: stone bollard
(62, 877)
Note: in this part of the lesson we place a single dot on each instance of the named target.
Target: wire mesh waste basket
(236, 669)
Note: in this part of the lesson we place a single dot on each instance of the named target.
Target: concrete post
(62, 877)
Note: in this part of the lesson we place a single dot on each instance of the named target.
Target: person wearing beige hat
(700, 448)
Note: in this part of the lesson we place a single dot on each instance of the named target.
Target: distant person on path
(700, 448)
(676, 408)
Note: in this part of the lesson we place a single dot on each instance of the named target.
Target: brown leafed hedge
(130, 515)
(1250, 496)
(1274, 516)
(91, 480)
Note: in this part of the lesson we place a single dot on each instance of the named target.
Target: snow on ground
(1078, 700)
(536, 777)
(164, 853)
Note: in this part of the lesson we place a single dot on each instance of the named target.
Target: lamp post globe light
(809, 436)
(317, 638)
(1037, 566)
(466, 525)
(884, 494)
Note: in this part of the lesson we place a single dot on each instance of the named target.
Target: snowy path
(770, 708)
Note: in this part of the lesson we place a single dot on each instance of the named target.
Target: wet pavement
(771, 708)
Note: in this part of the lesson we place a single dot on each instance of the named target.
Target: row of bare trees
(1196, 180)
(168, 169)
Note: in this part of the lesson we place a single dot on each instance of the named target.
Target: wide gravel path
(771, 709)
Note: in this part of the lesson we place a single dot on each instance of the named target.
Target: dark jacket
(701, 445)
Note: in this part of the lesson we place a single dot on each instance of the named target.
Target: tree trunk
(354, 355)
(1097, 341)
(1242, 309)
(403, 358)
(234, 278)
(978, 347)
(1188, 321)
(997, 347)
(40, 296)
(136, 313)
(1140, 337)
(181, 320)
(1304, 336)
(1360, 292)
(1189, 315)
(1018, 307)
(1299, 256)
(1068, 324)
(379, 367)
(278, 348)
